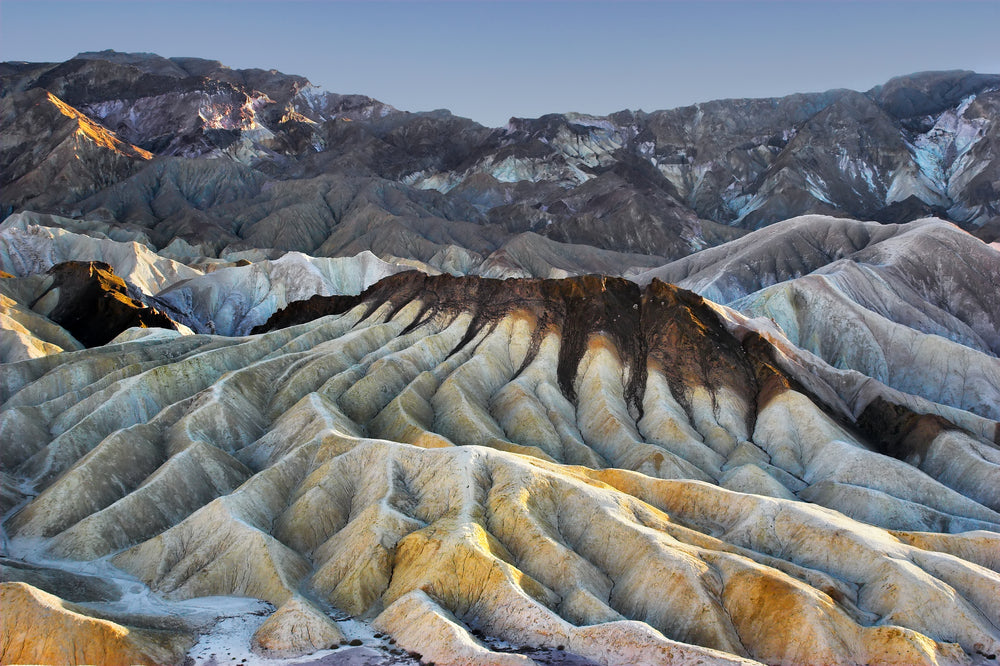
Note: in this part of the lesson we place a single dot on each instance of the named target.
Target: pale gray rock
(231, 301)
(31, 244)
(912, 306)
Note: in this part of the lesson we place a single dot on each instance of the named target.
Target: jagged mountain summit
(195, 154)
(294, 377)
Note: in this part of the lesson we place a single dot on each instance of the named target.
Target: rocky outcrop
(54, 155)
(232, 300)
(39, 628)
(911, 306)
(93, 304)
(27, 334)
(794, 462)
(642, 325)
(32, 244)
(296, 629)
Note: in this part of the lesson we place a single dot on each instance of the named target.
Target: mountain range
(298, 376)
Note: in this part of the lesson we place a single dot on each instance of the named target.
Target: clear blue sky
(493, 60)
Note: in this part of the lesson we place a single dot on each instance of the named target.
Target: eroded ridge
(574, 464)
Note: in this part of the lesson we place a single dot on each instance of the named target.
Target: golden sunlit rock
(297, 628)
(39, 628)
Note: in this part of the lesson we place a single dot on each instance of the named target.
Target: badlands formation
(294, 377)
(628, 475)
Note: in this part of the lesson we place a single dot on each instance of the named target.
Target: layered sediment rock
(32, 244)
(914, 306)
(297, 628)
(634, 476)
(596, 470)
(39, 628)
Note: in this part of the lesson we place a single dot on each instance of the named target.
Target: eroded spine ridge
(633, 474)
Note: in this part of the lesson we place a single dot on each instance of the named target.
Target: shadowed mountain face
(94, 304)
(264, 394)
(260, 159)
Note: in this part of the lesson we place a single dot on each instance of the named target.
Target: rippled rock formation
(634, 476)
(914, 306)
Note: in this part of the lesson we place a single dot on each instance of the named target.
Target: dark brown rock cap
(95, 305)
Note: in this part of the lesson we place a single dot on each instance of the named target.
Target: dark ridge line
(578, 307)
(674, 328)
(899, 432)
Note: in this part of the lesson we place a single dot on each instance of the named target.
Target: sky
(490, 61)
